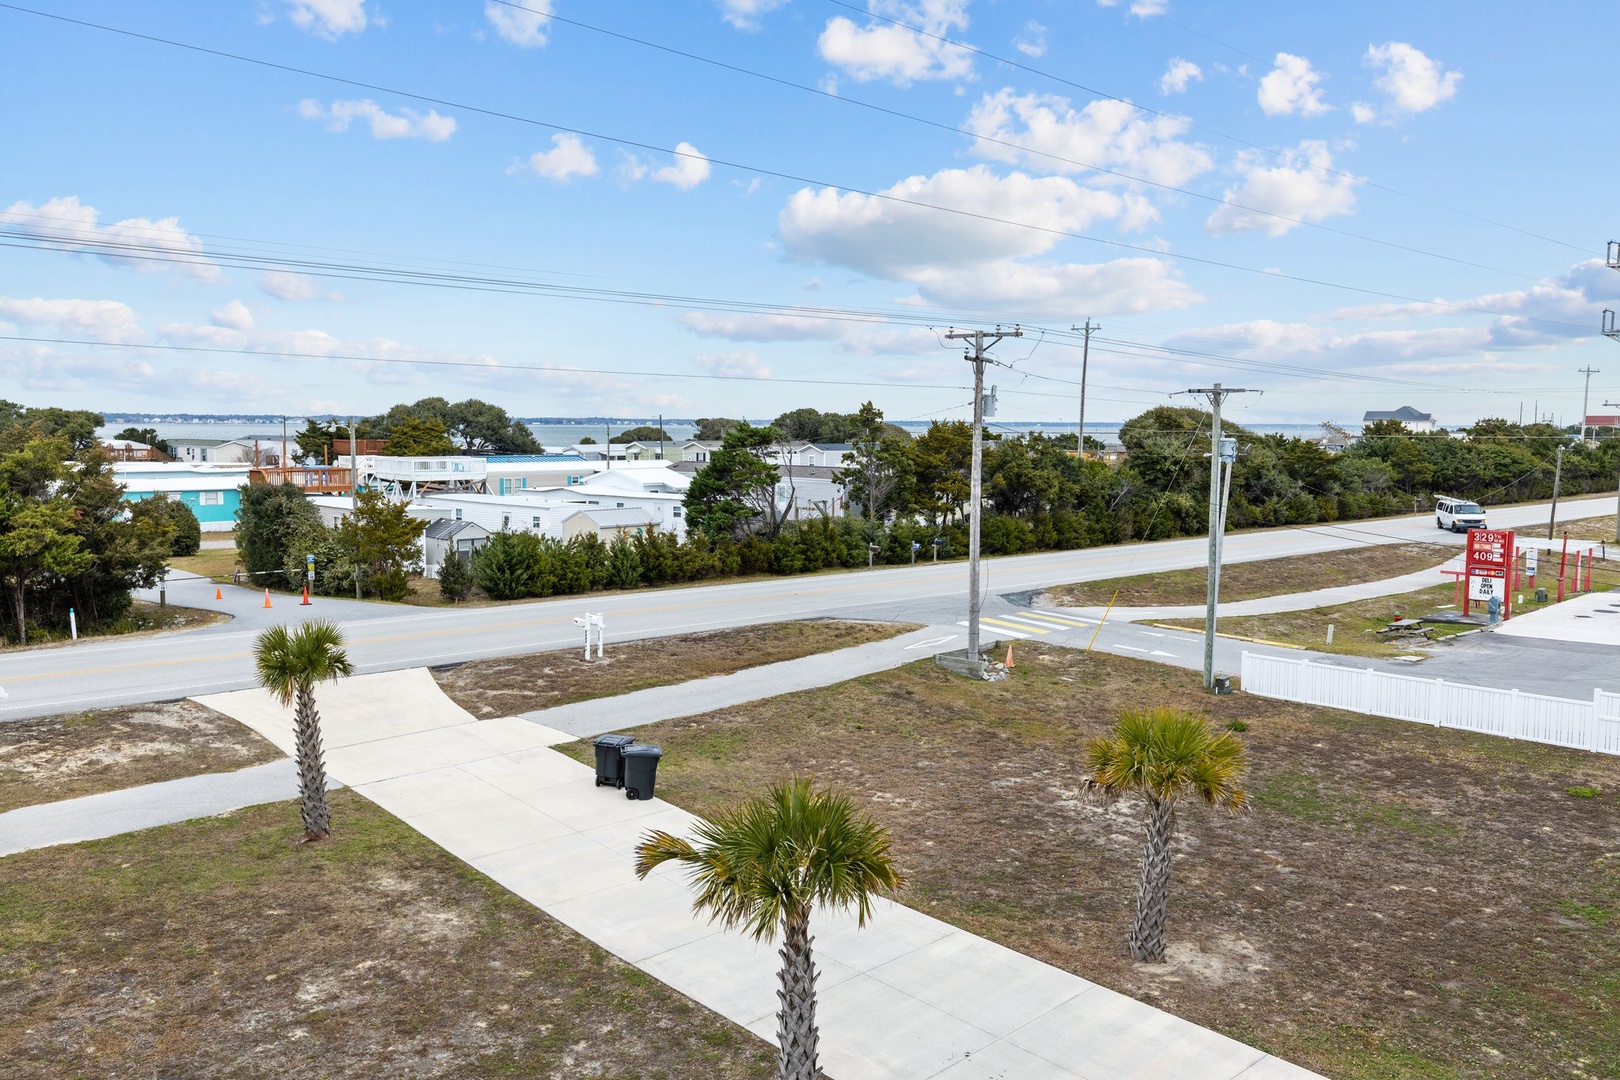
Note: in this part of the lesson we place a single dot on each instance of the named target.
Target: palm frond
(286, 659)
(1166, 753)
(780, 854)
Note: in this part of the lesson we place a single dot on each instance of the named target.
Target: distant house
(448, 536)
(193, 450)
(698, 450)
(1333, 438)
(212, 492)
(1414, 420)
(130, 450)
(607, 525)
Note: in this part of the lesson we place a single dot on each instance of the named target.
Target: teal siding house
(212, 492)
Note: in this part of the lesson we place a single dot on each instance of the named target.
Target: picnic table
(1405, 630)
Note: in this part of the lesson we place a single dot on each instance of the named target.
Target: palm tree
(290, 663)
(1164, 754)
(766, 863)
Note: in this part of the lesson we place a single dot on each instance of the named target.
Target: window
(619, 506)
(523, 481)
(458, 515)
(677, 511)
(211, 498)
(506, 521)
(536, 523)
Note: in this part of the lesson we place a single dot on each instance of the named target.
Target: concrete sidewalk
(596, 715)
(909, 996)
(94, 817)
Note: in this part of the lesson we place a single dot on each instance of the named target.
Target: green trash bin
(609, 762)
(640, 770)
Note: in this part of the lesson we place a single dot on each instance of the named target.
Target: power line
(1010, 144)
(500, 366)
(1281, 154)
(758, 170)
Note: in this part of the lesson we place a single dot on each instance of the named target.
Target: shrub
(508, 567)
(174, 515)
(455, 578)
(1582, 792)
(1237, 725)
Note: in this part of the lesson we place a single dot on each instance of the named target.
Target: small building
(192, 450)
(131, 450)
(608, 525)
(448, 536)
(698, 450)
(212, 492)
(1415, 421)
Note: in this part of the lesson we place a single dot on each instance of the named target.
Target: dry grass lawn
(221, 947)
(1252, 580)
(215, 563)
(1399, 901)
(516, 684)
(63, 757)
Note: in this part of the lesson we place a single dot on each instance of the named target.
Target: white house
(1415, 421)
(513, 473)
(543, 512)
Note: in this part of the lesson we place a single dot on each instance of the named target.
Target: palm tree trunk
(1153, 889)
(311, 765)
(796, 1032)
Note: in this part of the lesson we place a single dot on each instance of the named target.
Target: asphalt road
(105, 672)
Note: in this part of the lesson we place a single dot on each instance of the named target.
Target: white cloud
(746, 14)
(762, 327)
(329, 19)
(883, 50)
(1363, 113)
(1302, 189)
(289, 285)
(1293, 86)
(1109, 134)
(1142, 9)
(406, 124)
(689, 170)
(523, 26)
(1178, 75)
(743, 364)
(1123, 286)
(1032, 42)
(233, 316)
(892, 239)
(104, 320)
(567, 158)
(1413, 82)
(138, 243)
(973, 260)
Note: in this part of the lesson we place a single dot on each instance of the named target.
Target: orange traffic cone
(1009, 664)
(306, 597)
(219, 594)
(267, 598)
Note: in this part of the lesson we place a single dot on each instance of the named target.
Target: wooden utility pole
(1085, 361)
(1585, 398)
(976, 356)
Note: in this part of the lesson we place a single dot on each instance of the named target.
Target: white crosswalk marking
(1020, 633)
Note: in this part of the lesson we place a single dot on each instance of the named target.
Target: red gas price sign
(1490, 547)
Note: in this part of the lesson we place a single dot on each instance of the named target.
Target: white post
(1367, 693)
(73, 624)
(1594, 741)
(1440, 703)
(1330, 634)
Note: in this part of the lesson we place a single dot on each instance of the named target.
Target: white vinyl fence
(1585, 725)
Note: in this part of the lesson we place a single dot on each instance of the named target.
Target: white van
(1458, 515)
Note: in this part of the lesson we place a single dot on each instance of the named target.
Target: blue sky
(1278, 184)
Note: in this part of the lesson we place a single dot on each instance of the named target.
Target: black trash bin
(609, 763)
(640, 770)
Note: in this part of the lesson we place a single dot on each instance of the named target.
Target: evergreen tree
(455, 578)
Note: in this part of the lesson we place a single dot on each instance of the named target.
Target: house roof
(1404, 413)
(536, 459)
(832, 446)
(617, 519)
(445, 528)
